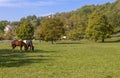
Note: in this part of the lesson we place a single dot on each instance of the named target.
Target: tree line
(94, 22)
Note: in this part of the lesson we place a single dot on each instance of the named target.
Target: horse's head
(26, 47)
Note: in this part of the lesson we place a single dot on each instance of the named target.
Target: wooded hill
(78, 24)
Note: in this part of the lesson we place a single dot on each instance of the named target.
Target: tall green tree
(98, 27)
(51, 29)
(34, 20)
(114, 20)
(25, 31)
(15, 23)
(76, 27)
(1, 36)
(38, 33)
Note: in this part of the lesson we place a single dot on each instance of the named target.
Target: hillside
(75, 22)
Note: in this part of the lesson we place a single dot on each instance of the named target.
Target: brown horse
(15, 43)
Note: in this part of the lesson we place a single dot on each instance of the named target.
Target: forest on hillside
(95, 22)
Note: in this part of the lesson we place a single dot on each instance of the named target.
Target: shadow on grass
(115, 41)
(8, 58)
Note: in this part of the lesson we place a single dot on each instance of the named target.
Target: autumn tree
(51, 29)
(38, 33)
(98, 27)
(8, 36)
(76, 27)
(25, 31)
(114, 20)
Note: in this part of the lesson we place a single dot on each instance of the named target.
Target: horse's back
(13, 42)
(29, 42)
(16, 42)
(19, 43)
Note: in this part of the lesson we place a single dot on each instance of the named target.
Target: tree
(8, 36)
(3, 24)
(76, 34)
(34, 20)
(38, 33)
(15, 23)
(76, 27)
(114, 20)
(25, 31)
(1, 36)
(98, 27)
(51, 29)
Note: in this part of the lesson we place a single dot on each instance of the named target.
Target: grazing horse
(15, 43)
(29, 44)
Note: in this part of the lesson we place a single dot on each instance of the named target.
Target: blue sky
(13, 10)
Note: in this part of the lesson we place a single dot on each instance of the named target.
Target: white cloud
(24, 3)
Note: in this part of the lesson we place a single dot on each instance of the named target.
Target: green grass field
(64, 60)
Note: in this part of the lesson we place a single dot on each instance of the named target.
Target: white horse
(29, 44)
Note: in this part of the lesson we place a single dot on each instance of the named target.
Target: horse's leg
(13, 47)
(20, 48)
(32, 48)
(29, 47)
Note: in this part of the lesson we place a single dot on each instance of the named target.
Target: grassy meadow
(64, 59)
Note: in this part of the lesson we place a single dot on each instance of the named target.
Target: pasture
(63, 60)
